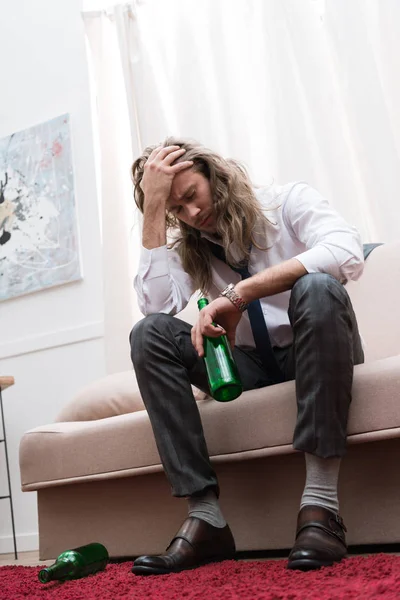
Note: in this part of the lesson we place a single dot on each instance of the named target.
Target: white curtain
(296, 89)
(116, 146)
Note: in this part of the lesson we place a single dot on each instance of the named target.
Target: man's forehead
(181, 184)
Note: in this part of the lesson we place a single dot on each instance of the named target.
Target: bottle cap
(202, 302)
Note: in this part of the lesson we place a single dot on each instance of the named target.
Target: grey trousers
(326, 346)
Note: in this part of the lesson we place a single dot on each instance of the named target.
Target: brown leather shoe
(320, 539)
(195, 544)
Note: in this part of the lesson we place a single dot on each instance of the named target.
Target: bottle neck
(201, 303)
(56, 571)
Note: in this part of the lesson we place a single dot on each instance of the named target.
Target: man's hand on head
(159, 172)
(226, 317)
(156, 183)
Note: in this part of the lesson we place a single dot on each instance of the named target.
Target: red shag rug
(373, 577)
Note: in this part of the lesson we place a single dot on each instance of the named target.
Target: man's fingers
(193, 336)
(169, 159)
(206, 327)
(210, 328)
(231, 340)
(197, 339)
(167, 150)
(154, 153)
(214, 331)
(199, 344)
(182, 166)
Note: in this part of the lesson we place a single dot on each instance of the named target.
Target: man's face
(191, 202)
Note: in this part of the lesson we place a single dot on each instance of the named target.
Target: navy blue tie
(257, 322)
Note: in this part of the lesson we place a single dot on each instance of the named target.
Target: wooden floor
(26, 559)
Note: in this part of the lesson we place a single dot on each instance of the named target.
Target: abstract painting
(38, 226)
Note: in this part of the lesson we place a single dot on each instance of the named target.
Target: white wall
(51, 341)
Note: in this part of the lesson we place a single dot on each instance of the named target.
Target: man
(282, 245)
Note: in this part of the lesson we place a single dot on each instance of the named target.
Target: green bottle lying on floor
(76, 563)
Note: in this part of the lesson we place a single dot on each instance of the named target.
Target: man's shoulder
(274, 196)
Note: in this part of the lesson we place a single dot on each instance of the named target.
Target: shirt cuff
(154, 262)
(319, 260)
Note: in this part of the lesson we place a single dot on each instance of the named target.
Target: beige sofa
(98, 475)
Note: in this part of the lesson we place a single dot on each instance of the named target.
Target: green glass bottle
(73, 564)
(222, 372)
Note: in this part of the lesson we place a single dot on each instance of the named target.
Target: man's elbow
(353, 269)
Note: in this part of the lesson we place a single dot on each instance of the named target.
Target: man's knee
(145, 329)
(316, 283)
(315, 295)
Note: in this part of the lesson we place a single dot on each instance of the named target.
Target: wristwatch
(229, 292)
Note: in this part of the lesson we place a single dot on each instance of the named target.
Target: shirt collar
(211, 238)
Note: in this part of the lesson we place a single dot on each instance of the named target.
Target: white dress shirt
(302, 225)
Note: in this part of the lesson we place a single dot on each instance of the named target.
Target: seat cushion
(259, 423)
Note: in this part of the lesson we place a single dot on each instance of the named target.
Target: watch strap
(229, 292)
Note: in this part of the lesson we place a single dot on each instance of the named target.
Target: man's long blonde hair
(237, 210)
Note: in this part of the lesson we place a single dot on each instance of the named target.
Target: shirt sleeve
(333, 246)
(161, 284)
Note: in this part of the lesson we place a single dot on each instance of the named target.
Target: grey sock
(206, 508)
(321, 482)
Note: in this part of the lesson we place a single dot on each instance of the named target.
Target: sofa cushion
(258, 423)
(110, 396)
